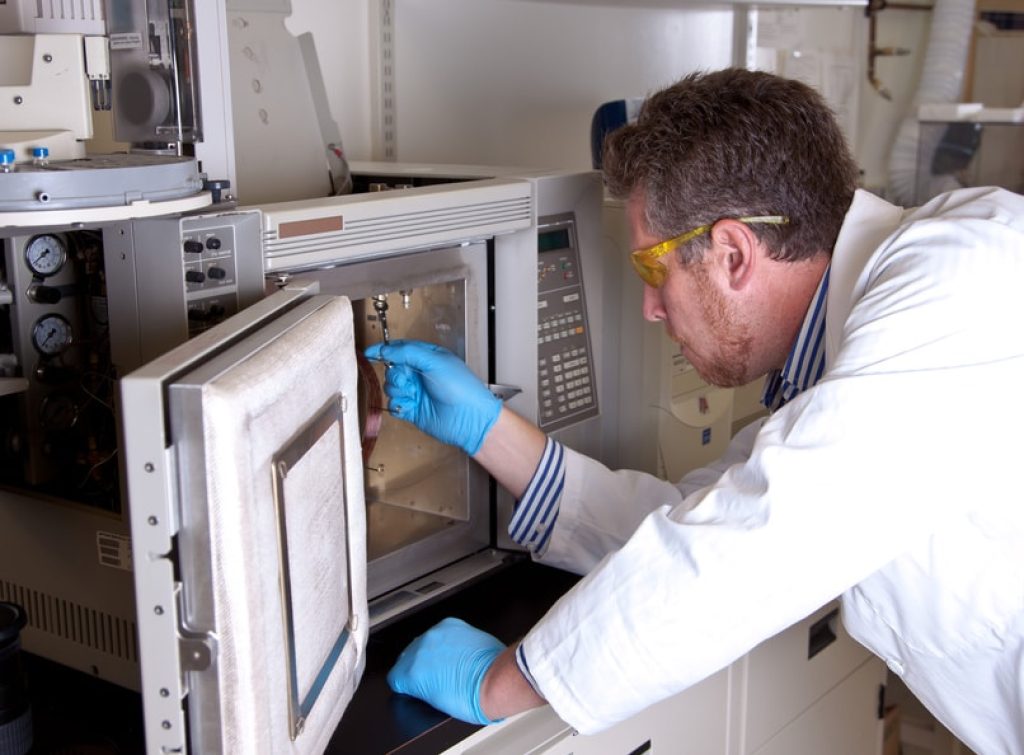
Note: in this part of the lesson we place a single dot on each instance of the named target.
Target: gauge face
(58, 412)
(51, 334)
(46, 254)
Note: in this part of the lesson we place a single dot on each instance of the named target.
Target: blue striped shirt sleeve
(524, 669)
(537, 511)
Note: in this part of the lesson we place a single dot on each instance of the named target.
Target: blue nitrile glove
(445, 666)
(435, 390)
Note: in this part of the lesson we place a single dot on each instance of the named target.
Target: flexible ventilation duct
(941, 82)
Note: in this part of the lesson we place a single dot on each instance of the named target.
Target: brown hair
(733, 143)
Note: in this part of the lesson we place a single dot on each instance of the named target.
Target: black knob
(193, 247)
(217, 273)
(196, 314)
(50, 374)
(216, 188)
(194, 276)
(41, 294)
(213, 243)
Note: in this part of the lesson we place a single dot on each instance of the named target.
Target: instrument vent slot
(72, 621)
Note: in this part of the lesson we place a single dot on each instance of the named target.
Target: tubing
(941, 81)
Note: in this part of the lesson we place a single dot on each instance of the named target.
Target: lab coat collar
(869, 221)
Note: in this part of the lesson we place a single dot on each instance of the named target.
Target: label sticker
(131, 40)
(114, 550)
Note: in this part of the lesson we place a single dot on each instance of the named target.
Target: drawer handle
(822, 633)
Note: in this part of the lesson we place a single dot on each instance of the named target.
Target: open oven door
(245, 488)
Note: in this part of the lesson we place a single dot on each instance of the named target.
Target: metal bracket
(197, 653)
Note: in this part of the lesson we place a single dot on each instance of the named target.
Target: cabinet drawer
(788, 673)
(843, 722)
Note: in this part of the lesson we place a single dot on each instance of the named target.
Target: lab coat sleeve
(596, 519)
(840, 481)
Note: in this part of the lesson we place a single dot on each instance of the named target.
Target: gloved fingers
(398, 674)
(402, 677)
(419, 355)
(403, 388)
(400, 380)
(445, 666)
(401, 409)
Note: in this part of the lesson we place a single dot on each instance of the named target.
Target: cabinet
(811, 688)
(843, 722)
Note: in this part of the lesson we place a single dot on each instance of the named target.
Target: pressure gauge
(45, 254)
(58, 411)
(51, 334)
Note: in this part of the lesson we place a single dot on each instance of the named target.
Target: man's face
(699, 313)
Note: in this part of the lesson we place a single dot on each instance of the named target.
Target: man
(893, 342)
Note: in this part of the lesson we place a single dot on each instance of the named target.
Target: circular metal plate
(99, 181)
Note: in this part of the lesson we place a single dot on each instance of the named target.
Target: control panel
(209, 259)
(177, 276)
(565, 365)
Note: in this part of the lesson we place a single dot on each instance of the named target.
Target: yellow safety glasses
(647, 262)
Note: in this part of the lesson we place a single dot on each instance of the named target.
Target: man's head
(752, 174)
(736, 143)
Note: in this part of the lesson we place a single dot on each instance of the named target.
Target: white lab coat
(895, 482)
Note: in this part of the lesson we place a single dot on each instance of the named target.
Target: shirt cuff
(537, 511)
(524, 669)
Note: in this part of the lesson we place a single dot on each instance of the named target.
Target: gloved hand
(445, 666)
(435, 390)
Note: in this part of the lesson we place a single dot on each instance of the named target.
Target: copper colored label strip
(309, 227)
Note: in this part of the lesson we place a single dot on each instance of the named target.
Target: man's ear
(735, 249)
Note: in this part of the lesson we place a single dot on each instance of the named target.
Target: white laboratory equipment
(134, 293)
(96, 306)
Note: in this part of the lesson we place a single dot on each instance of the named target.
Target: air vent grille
(411, 227)
(70, 10)
(72, 621)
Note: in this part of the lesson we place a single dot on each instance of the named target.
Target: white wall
(821, 46)
(515, 82)
(343, 31)
(502, 82)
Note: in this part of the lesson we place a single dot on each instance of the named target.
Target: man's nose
(654, 311)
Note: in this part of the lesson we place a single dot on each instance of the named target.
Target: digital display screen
(557, 239)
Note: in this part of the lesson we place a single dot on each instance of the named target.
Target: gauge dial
(51, 334)
(58, 411)
(46, 254)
